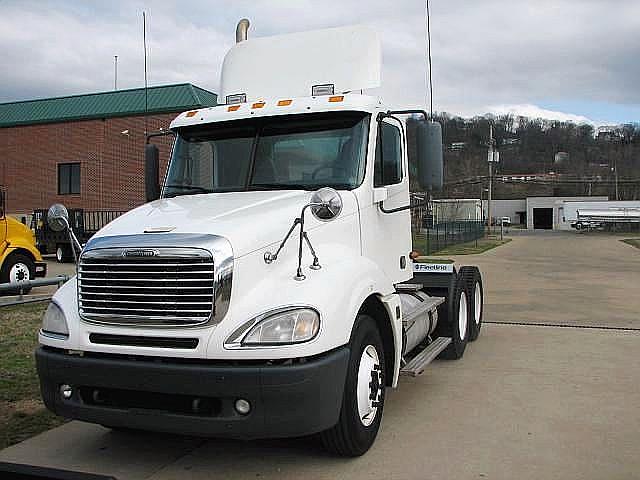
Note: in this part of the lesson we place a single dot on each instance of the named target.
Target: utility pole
(490, 162)
(615, 167)
(115, 72)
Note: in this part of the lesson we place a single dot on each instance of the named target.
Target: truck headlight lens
(54, 321)
(291, 326)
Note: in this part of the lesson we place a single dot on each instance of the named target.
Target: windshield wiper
(298, 186)
(281, 186)
(192, 188)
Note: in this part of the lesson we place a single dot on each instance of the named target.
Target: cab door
(387, 236)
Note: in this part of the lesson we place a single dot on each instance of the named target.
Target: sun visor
(347, 58)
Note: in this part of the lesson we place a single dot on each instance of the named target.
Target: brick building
(86, 151)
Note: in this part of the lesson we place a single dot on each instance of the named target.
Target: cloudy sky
(566, 59)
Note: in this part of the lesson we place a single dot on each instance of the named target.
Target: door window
(388, 161)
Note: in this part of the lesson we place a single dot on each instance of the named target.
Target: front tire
(363, 397)
(18, 268)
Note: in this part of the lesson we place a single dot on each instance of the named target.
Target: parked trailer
(606, 218)
(84, 223)
(268, 289)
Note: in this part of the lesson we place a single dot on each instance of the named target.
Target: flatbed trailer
(85, 224)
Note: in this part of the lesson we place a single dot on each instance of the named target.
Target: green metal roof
(117, 103)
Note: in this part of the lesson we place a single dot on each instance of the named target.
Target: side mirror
(151, 172)
(58, 217)
(430, 155)
(326, 204)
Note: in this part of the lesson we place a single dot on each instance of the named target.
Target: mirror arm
(390, 113)
(73, 240)
(400, 209)
(161, 133)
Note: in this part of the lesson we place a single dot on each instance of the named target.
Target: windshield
(294, 152)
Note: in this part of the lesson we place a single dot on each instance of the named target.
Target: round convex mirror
(58, 217)
(328, 204)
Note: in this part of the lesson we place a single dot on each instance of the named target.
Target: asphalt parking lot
(526, 401)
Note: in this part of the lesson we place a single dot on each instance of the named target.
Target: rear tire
(455, 321)
(63, 253)
(363, 397)
(475, 295)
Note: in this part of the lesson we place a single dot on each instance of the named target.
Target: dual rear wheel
(463, 309)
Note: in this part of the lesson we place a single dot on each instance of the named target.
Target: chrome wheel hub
(477, 303)
(462, 316)
(19, 273)
(370, 385)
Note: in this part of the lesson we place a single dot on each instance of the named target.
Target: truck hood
(249, 220)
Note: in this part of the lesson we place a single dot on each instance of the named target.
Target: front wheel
(363, 397)
(18, 268)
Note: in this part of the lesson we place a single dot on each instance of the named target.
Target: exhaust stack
(241, 30)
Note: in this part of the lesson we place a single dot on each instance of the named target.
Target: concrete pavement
(525, 402)
(562, 277)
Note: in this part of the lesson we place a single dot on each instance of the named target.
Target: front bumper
(41, 269)
(196, 398)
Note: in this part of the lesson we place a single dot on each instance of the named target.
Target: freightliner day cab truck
(268, 287)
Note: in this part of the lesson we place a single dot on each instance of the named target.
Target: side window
(68, 178)
(388, 161)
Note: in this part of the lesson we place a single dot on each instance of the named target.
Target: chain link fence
(435, 237)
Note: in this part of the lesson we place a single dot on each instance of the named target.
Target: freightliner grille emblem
(140, 253)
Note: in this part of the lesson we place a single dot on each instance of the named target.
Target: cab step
(417, 364)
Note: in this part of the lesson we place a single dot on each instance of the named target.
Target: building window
(68, 178)
(388, 169)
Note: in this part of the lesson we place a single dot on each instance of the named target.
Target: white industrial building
(548, 213)
(545, 213)
(516, 210)
(456, 209)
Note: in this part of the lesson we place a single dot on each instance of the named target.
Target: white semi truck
(268, 287)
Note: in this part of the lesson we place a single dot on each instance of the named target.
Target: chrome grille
(156, 286)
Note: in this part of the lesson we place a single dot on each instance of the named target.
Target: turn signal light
(192, 113)
(233, 108)
(284, 103)
(258, 105)
(337, 98)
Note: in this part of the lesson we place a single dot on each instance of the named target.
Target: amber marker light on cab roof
(258, 105)
(337, 98)
(233, 108)
(284, 103)
(192, 113)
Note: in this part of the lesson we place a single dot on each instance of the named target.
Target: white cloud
(494, 52)
(533, 111)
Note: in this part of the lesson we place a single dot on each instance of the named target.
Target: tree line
(538, 157)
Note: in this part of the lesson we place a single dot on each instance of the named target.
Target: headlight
(285, 327)
(54, 321)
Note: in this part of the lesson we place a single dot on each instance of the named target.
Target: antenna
(146, 93)
(429, 60)
(115, 72)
